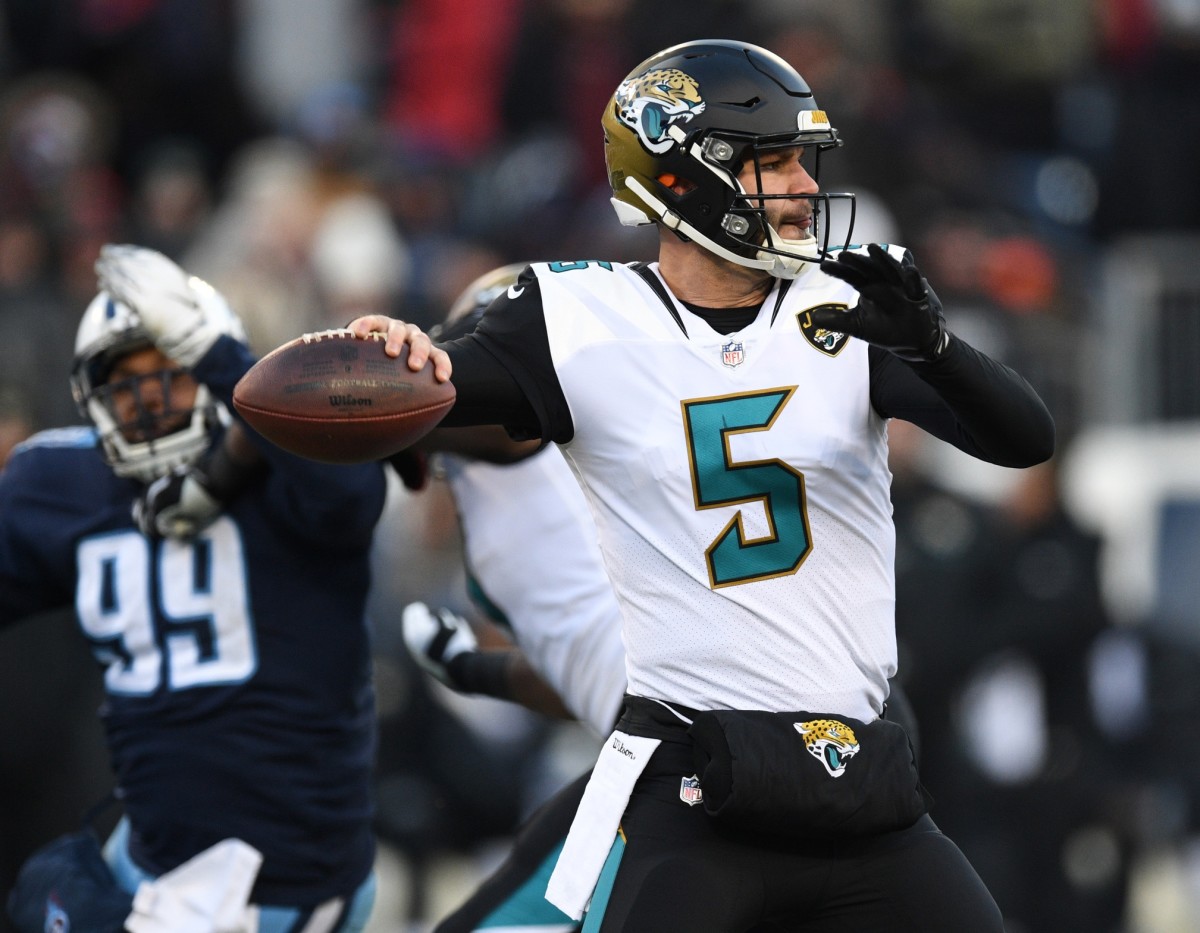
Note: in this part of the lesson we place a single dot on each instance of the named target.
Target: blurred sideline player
(535, 568)
(232, 637)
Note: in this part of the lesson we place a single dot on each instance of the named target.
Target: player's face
(149, 395)
(782, 172)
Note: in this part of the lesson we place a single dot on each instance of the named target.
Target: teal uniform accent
(719, 482)
(528, 907)
(604, 886)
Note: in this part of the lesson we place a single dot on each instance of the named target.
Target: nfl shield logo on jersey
(733, 354)
(690, 792)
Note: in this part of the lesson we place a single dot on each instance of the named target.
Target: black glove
(896, 311)
(412, 466)
(184, 502)
(178, 505)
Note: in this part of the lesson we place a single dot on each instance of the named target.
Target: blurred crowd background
(315, 159)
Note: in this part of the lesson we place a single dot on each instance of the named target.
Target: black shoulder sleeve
(503, 371)
(967, 399)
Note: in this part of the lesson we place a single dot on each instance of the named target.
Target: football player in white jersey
(554, 597)
(725, 411)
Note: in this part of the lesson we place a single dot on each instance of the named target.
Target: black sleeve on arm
(967, 399)
(486, 392)
(482, 672)
(503, 371)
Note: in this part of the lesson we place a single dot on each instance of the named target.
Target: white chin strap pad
(789, 267)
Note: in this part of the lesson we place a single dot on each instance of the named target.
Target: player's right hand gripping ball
(337, 398)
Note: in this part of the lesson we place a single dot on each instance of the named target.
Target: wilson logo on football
(829, 342)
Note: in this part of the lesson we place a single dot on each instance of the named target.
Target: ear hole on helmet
(675, 183)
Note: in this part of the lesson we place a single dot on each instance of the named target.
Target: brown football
(337, 398)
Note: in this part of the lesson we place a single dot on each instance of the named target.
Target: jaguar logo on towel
(831, 742)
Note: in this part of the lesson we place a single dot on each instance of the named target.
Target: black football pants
(679, 871)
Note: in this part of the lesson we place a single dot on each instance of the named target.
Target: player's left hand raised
(181, 313)
(896, 311)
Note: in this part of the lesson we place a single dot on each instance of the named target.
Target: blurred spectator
(33, 315)
(256, 247)
(446, 68)
(53, 763)
(170, 201)
(289, 52)
(15, 421)
(996, 664)
(944, 573)
(361, 262)
(1152, 67)
(166, 65)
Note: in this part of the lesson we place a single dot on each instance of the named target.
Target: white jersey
(531, 545)
(741, 491)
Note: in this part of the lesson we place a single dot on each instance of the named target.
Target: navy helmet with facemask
(681, 127)
(165, 439)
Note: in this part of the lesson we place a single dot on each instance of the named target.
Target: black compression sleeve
(966, 399)
(503, 371)
(483, 672)
(486, 392)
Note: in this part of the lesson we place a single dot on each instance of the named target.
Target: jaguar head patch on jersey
(650, 103)
(829, 342)
(831, 742)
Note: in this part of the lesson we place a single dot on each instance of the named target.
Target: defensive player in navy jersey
(725, 411)
(232, 639)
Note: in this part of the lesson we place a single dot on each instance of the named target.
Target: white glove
(177, 505)
(172, 305)
(435, 639)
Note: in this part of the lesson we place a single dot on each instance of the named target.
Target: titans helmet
(110, 330)
(697, 113)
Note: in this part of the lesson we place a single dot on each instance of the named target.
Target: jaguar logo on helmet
(650, 103)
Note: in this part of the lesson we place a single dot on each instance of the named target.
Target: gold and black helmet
(690, 117)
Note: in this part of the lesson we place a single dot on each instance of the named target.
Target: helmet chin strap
(780, 267)
(791, 266)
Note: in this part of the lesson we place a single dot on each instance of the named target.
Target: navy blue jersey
(236, 665)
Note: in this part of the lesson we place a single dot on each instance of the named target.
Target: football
(337, 398)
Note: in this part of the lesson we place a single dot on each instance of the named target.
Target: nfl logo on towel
(690, 792)
(733, 354)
